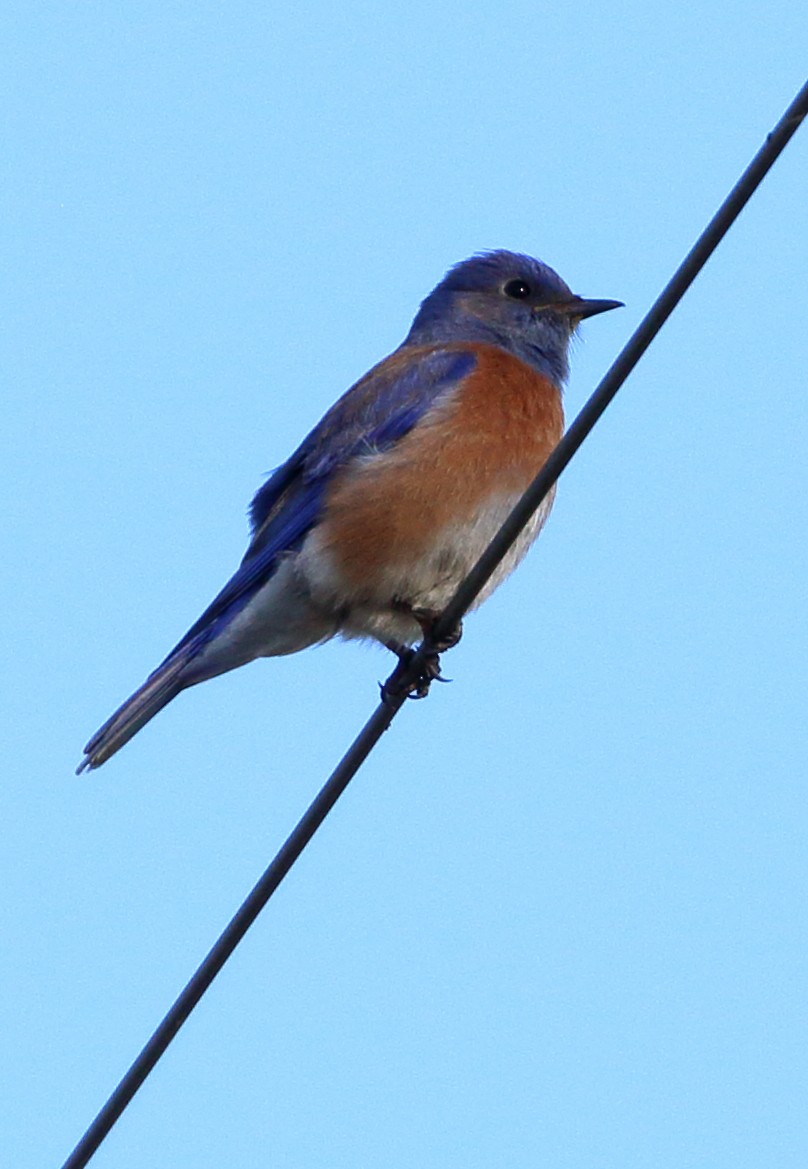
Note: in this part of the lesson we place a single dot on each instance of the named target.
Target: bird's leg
(427, 619)
(418, 687)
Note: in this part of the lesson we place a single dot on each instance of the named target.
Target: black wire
(384, 714)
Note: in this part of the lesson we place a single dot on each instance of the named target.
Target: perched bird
(369, 527)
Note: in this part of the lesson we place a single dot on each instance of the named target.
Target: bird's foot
(418, 686)
(412, 687)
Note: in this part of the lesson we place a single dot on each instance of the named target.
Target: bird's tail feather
(158, 690)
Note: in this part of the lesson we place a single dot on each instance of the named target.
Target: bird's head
(509, 300)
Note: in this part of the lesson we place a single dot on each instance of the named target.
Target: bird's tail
(158, 690)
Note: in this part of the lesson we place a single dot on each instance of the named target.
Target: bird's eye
(518, 289)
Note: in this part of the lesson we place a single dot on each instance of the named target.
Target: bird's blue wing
(371, 417)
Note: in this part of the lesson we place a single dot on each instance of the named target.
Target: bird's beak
(580, 308)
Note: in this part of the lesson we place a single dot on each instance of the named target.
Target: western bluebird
(369, 527)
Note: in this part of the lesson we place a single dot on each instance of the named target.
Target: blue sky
(559, 919)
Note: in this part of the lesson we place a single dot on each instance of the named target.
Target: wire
(384, 714)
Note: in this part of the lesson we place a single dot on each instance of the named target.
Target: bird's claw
(417, 687)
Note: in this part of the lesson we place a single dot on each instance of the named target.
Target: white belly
(368, 609)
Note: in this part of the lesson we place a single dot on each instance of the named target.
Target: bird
(371, 524)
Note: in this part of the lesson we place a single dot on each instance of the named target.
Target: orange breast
(487, 441)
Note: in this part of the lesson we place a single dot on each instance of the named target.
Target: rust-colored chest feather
(468, 457)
